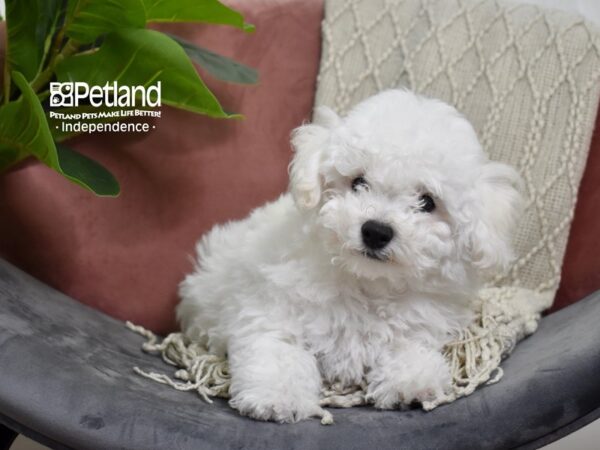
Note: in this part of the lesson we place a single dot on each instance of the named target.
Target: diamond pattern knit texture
(527, 78)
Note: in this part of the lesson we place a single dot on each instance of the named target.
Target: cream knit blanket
(529, 81)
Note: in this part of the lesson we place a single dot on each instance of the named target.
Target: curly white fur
(292, 295)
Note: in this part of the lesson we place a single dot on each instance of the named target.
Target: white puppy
(365, 270)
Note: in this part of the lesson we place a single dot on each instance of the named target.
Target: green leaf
(24, 132)
(218, 66)
(86, 172)
(88, 19)
(144, 57)
(29, 25)
(207, 11)
(9, 156)
(23, 126)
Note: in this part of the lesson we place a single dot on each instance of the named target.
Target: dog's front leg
(273, 379)
(408, 372)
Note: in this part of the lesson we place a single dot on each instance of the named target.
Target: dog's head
(401, 189)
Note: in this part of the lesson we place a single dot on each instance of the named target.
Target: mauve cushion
(125, 256)
(581, 268)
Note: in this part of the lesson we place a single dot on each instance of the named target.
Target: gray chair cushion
(66, 380)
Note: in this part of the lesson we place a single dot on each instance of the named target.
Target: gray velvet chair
(66, 381)
(66, 377)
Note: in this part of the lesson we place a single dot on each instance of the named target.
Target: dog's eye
(426, 203)
(359, 183)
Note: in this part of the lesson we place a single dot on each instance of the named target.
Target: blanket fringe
(503, 317)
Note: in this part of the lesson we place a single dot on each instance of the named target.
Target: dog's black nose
(376, 235)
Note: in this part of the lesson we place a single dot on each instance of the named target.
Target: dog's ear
(493, 215)
(308, 142)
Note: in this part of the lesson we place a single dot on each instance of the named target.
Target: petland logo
(102, 107)
(71, 94)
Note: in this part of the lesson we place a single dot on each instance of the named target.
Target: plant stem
(6, 90)
(44, 95)
(44, 77)
(6, 78)
(56, 43)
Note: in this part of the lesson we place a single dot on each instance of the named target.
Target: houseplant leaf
(207, 11)
(24, 132)
(28, 26)
(88, 19)
(86, 172)
(218, 66)
(23, 127)
(143, 57)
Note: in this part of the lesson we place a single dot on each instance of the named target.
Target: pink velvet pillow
(125, 256)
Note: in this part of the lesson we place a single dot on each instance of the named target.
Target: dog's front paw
(395, 393)
(392, 389)
(279, 408)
